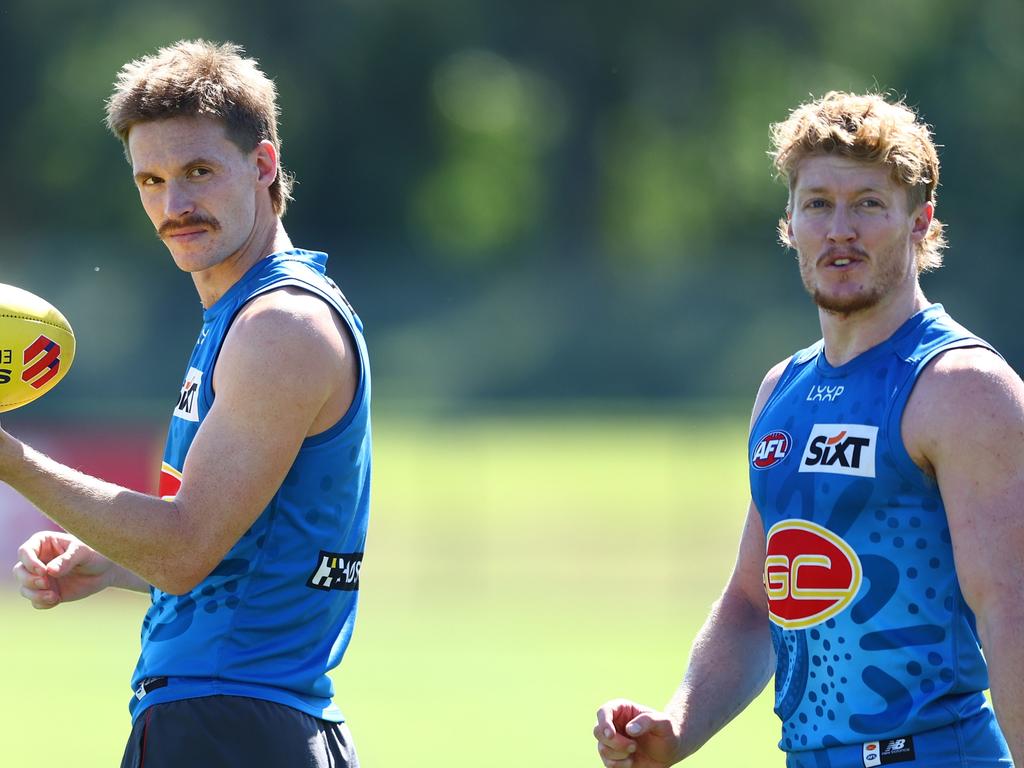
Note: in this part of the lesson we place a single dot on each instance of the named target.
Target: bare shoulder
(964, 398)
(287, 333)
(291, 316)
(286, 311)
(768, 384)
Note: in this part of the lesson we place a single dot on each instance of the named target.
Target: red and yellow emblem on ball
(810, 574)
(37, 347)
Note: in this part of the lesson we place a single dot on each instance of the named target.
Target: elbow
(175, 583)
(181, 575)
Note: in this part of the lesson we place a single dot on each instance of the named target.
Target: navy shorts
(236, 732)
(974, 742)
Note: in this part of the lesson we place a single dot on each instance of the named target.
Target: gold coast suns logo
(810, 574)
(170, 482)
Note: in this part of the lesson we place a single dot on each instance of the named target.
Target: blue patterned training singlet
(873, 636)
(277, 613)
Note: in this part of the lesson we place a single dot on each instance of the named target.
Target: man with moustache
(882, 544)
(252, 551)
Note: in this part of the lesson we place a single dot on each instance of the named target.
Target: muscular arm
(732, 657)
(964, 424)
(731, 661)
(286, 369)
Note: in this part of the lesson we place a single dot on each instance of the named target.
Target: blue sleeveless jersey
(278, 611)
(873, 636)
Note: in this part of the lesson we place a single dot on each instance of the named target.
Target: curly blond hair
(199, 78)
(868, 128)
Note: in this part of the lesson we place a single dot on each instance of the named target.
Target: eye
(816, 203)
(197, 172)
(872, 203)
(150, 181)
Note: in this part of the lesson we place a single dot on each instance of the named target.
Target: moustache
(172, 225)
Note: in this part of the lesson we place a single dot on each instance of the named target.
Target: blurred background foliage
(540, 201)
(557, 220)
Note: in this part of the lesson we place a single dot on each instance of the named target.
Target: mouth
(841, 260)
(185, 234)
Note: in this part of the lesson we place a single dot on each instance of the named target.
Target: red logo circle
(771, 449)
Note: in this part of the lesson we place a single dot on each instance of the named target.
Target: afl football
(37, 347)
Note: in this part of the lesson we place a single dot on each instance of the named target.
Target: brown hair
(199, 78)
(873, 130)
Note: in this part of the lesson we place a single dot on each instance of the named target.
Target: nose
(841, 228)
(178, 202)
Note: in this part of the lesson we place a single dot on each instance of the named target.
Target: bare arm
(965, 424)
(732, 657)
(286, 367)
(731, 661)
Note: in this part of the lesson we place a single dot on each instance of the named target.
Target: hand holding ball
(37, 347)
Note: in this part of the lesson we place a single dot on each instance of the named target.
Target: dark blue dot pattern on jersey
(866, 670)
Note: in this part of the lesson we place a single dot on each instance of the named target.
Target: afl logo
(771, 449)
(810, 574)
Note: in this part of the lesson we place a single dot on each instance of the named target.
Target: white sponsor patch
(872, 754)
(841, 449)
(188, 407)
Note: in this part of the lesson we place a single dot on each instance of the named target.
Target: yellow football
(37, 347)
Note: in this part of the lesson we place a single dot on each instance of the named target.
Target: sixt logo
(841, 449)
(810, 574)
(186, 407)
(337, 570)
(42, 361)
(771, 449)
(829, 394)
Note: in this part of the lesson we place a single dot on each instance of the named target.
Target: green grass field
(520, 571)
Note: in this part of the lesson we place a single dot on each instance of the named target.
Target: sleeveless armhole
(352, 327)
(798, 360)
(905, 465)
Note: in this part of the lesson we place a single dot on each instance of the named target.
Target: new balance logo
(888, 752)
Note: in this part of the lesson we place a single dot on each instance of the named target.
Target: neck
(847, 336)
(214, 282)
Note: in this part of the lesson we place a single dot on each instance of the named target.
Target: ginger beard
(886, 272)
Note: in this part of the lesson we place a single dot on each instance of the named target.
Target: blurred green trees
(542, 200)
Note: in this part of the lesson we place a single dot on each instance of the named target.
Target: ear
(922, 221)
(265, 159)
(789, 223)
